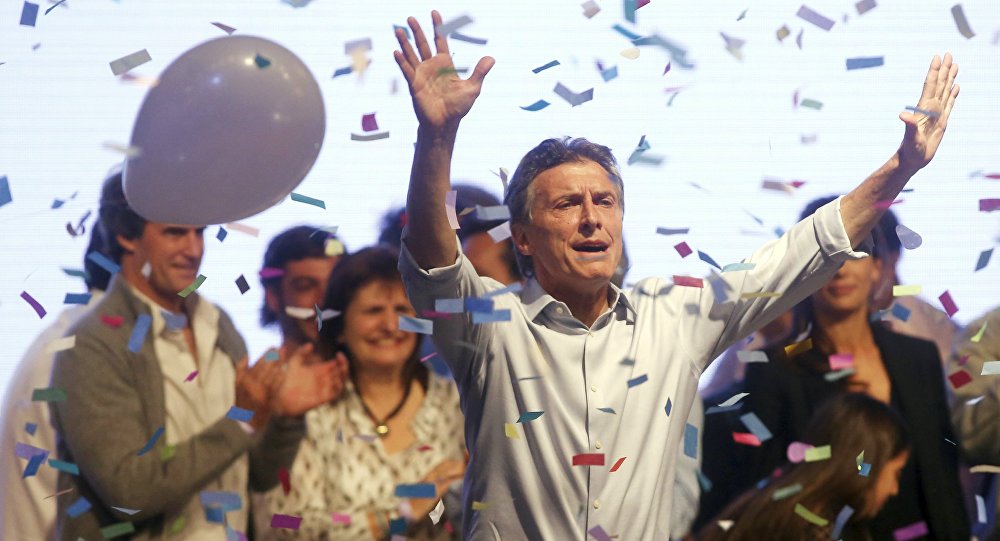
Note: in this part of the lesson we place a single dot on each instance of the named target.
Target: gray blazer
(113, 407)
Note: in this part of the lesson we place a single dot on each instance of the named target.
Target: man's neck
(848, 334)
(586, 305)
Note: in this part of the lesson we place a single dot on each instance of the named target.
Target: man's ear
(127, 244)
(519, 234)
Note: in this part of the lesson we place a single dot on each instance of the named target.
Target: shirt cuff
(832, 236)
(408, 266)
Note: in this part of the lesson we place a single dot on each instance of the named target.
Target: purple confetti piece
(912, 531)
(989, 205)
(287, 522)
(34, 304)
(819, 20)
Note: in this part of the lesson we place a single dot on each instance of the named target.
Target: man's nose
(589, 216)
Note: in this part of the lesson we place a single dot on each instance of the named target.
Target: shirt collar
(535, 300)
(197, 310)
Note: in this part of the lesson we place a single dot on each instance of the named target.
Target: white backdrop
(732, 124)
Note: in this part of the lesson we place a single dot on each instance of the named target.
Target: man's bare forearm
(430, 238)
(862, 208)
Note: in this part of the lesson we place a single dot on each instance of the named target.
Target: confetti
(674, 231)
(191, 376)
(691, 440)
(598, 533)
(746, 439)
(782, 33)
(637, 381)
(242, 228)
(571, 97)
(417, 325)
(984, 259)
(949, 305)
(960, 379)
(479, 506)
(668, 407)
(127, 62)
(733, 400)
(738, 267)
(906, 291)
(618, 464)
(510, 430)
(261, 61)
(920, 111)
(589, 459)
(979, 334)
(126, 510)
(801, 511)
(287, 522)
(61, 344)
(242, 285)
(5, 196)
(980, 509)
(308, 200)
(799, 348)
(64, 466)
(815, 18)
(990, 368)
(865, 62)
(500, 232)
(48, 394)
(152, 441)
(34, 304)
(751, 356)
(841, 361)
(817, 454)
(117, 530)
(688, 281)
(489, 214)
(544, 67)
(29, 14)
(417, 490)
(607, 410)
(985, 468)
(590, 8)
(225, 28)
(708, 259)
(370, 137)
(468, 39)
(30, 428)
(113, 321)
(909, 238)
(683, 249)
(341, 518)
(989, 205)
(755, 426)
(453, 25)
(913, 531)
(194, 285)
(864, 6)
(812, 104)
(529, 416)
(139, 330)
(79, 507)
(495, 316)
(843, 516)
(784, 492)
(368, 122)
(237, 413)
(33, 464)
(435, 514)
(742, 15)
(961, 22)
(76, 298)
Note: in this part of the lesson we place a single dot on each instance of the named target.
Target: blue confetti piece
(226, 501)
(417, 490)
(79, 507)
(77, 273)
(29, 14)
(30, 428)
(237, 413)
(901, 312)
(342, 71)
(732, 267)
(415, 324)
(491, 317)
(542, 68)
(403, 28)
(102, 261)
(704, 481)
(397, 526)
(865, 62)
(473, 304)
(755, 426)
(76, 298)
(450, 306)
(609, 73)
(537, 106)
(984, 259)
(691, 440)
(221, 235)
(64, 466)
(174, 322)
(308, 200)
(842, 518)
(215, 515)
(865, 469)
(152, 441)
(33, 464)
(638, 380)
(57, 203)
(271, 355)
(5, 196)
(607, 410)
(139, 331)
(668, 408)
(529, 416)
(626, 32)
(708, 259)
(492, 213)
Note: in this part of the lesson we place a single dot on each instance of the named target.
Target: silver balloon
(232, 127)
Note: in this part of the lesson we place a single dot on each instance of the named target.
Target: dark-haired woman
(808, 497)
(395, 423)
(834, 348)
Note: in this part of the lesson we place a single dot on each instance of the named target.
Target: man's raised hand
(440, 97)
(925, 127)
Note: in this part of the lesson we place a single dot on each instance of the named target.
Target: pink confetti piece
(683, 249)
(34, 304)
(113, 321)
(882, 205)
(270, 272)
(428, 357)
(618, 464)
(912, 531)
(989, 205)
(797, 451)
(960, 379)
(341, 518)
(287, 522)
(243, 228)
(841, 361)
(368, 122)
(688, 281)
(191, 376)
(949, 305)
(746, 438)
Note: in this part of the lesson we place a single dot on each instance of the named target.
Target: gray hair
(548, 154)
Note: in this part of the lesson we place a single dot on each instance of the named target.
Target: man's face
(303, 285)
(574, 237)
(173, 253)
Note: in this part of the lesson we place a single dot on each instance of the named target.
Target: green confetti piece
(167, 452)
(117, 530)
(194, 285)
(784, 492)
(48, 395)
(818, 453)
(178, 525)
(812, 104)
(801, 511)
(308, 200)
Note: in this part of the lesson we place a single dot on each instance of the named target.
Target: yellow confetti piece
(333, 248)
(905, 291)
(979, 335)
(510, 429)
(818, 453)
(631, 53)
(167, 452)
(799, 348)
(801, 511)
(760, 295)
(479, 506)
